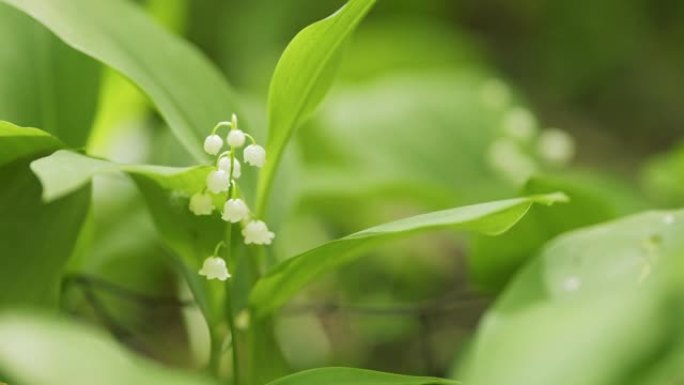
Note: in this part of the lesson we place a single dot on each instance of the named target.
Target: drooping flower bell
(201, 204)
(255, 155)
(256, 232)
(235, 210)
(213, 144)
(224, 164)
(215, 268)
(236, 138)
(218, 181)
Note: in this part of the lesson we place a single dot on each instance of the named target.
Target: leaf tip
(552, 198)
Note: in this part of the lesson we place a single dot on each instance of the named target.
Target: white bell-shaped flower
(224, 164)
(201, 204)
(257, 232)
(215, 268)
(236, 138)
(218, 181)
(235, 210)
(213, 144)
(255, 155)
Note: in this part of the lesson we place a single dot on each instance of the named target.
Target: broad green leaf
(593, 340)
(593, 199)
(192, 238)
(661, 176)
(65, 171)
(38, 350)
(45, 83)
(166, 191)
(36, 238)
(288, 277)
(589, 309)
(352, 376)
(301, 79)
(189, 92)
(17, 142)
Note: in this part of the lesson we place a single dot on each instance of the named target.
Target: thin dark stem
(89, 283)
(104, 316)
(425, 346)
(442, 306)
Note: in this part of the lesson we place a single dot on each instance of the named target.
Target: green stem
(215, 355)
(233, 334)
(229, 303)
(219, 125)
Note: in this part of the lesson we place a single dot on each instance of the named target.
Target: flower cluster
(221, 181)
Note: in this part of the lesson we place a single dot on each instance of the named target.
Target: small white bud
(218, 181)
(215, 268)
(213, 144)
(236, 138)
(257, 232)
(201, 204)
(235, 210)
(255, 155)
(556, 147)
(224, 164)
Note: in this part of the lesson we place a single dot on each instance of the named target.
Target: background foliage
(389, 110)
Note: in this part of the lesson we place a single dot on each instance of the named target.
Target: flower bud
(235, 210)
(201, 204)
(257, 232)
(213, 144)
(224, 164)
(215, 268)
(218, 181)
(255, 155)
(235, 138)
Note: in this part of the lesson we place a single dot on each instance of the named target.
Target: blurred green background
(438, 103)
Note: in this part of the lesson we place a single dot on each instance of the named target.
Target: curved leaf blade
(17, 142)
(352, 376)
(288, 277)
(36, 238)
(44, 82)
(166, 191)
(301, 79)
(189, 92)
(593, 305)
(44, 351)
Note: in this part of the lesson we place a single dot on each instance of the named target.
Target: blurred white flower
(235, 138)
(520, 124)
(507, 158)
(556, 146)
(224, 164)
(242, 320)
(495, 93)
(201, 204)
(213, 144)
(235, 210)
(257, 232)
(255, 155)
(215, 268)
(218, 181)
